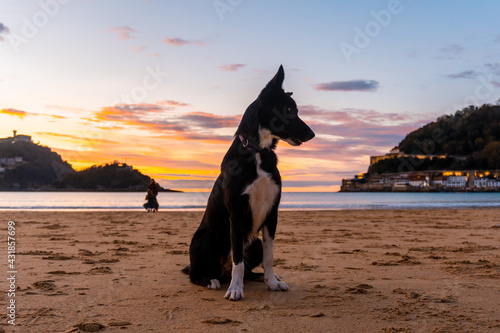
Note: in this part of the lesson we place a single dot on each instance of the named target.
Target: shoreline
(91, 191)
(198, 210)
(331, 201)
(348, 271)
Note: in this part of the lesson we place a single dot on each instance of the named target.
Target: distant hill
(466, 132)
(25, 165)
(108, 177)
(467, 140)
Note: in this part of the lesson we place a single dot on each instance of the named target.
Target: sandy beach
(348, 271)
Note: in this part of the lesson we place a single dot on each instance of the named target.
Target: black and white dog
(246, 195)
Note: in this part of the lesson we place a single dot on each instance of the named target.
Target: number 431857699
(11, 244)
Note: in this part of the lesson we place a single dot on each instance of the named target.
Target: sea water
(130, 201)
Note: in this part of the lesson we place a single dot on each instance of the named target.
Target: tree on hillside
(111, 176)
(490, 156)
(460, 134)
(469, 138)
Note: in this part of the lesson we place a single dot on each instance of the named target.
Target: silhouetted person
(153, 186)
(152, 203)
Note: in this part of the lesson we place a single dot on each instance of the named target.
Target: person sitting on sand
(151, 197)
(152, 204)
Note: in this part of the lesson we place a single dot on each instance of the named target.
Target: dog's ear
(275, 85)
(278, 79)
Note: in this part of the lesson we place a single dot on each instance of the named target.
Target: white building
(486, 183)
(493, 183)
(481, 182)
(456, 181)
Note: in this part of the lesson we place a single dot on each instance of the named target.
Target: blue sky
(364, 73)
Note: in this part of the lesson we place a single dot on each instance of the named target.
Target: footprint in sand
(359, 289)
(63, 273)
(58, 256)
(100, 270)
(45, 285)
(406, 260)
(40, 313)
(221, 321)
(89, 327)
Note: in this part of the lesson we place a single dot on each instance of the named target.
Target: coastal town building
(9, 163)
(420, 181)
(16, 138)
(432, 180)
(456, 181)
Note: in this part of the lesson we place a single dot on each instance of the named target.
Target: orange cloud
(75, 137)
(14, 113)
(159, 119)
(22, 114)
(56, 116)
(183, 148)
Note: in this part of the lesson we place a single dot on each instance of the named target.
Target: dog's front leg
(271, 279)
(235, 290)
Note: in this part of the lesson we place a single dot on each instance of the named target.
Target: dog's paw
(277, 285)
(214, 284)
(234, 294)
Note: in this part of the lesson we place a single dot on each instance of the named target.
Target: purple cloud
(231, 67)
(176, 41)
(353, 85)
(361, 128)
(210, 121)
(495, 68)
(464, 75)
(123, 33)
(157, 118)
(452, 49)
(3, 30)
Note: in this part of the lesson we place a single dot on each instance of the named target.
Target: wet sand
(348, 271)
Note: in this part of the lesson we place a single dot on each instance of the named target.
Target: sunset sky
(162, 85)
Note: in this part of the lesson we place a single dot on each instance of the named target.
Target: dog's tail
(186, 269)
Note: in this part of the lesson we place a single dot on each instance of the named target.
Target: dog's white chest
(262, 194)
